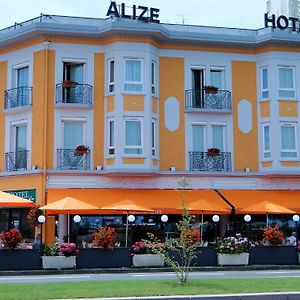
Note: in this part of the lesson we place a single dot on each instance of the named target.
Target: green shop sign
(27, 194)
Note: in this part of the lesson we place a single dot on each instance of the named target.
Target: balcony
(69, 159)
(75, 93)
(16, 161)
(18, 97)
(203, 99)
(204, 161)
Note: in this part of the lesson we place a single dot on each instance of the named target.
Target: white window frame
(264, 90)
(205, 143)
(267, 154)
(110, 148)
(220, 69)
(286, 89)
(134, 82)
(13, 127)
(294, 125)
(74, 120)
(111, 84)
(224, 125)
(139, 147)
(83, 62)
(154, 78)
(154, 138)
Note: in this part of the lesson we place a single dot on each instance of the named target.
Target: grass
(90, 289)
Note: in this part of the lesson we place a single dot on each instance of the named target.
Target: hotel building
(136, 94)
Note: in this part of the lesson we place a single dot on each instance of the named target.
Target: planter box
(59, 262)
(20, 259)
(147, 260)
(273, 255)
(233, 259)
(99, 258)
(205, 256)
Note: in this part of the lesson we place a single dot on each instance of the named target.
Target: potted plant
(105, 238)
(81, 149)
(273, 236)
(233, 250)
(52, 259)
(213, 152)
(143, 256)
(69, 83)
(210, 89)
(11, 239)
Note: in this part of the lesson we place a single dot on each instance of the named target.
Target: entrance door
(197, 85)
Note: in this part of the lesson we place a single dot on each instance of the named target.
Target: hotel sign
(282, 22)
(27, 194)
(137, 12)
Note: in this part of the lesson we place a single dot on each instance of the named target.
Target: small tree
(180, 255)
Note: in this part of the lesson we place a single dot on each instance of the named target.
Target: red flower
(11, 238)
(273, 235)
(105, 238)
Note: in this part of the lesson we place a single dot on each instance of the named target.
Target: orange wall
(244, 87)
(288, 109)
(171, 144)
(98, 109)
(3, 87)
(43, 94)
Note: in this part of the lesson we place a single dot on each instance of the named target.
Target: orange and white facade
(137, 99)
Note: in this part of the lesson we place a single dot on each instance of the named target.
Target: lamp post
(76, 219)
(164, 219)
(247, 219)
(216, 219)
(296, 220)
(131, 219)
(41, 220)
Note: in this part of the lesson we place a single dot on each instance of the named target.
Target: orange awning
(10, 200)
(244, 198)
(161, 201)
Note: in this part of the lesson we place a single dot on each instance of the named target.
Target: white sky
(222, 13)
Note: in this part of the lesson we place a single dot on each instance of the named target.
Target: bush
(273, 235)
(105, 238)
(11, 239)
(50, 250)
(68, 249)
(234, 245)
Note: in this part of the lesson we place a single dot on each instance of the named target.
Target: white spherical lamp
(296, 218)
(41, 219)
(164, 218)
(247, 218)
(216, 218)
(77, 219)
(131, 218)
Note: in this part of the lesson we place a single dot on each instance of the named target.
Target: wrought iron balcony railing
(15, 161)
(203, 161)
(18, 97)
(74, 94)
(203, 100)
(69, 159)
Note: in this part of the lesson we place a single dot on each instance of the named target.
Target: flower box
(213, 152)
(147, 260)
(81, 149)
(69, 84)
(59, 262)
(299, 257)
(233, 259)
(210, 89)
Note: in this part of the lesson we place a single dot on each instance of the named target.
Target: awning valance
(162, 201)
(244, 198)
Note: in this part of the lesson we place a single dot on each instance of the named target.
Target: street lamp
(216, 219)
(164, 219)
(41, 220)
(76, 219)
(247, 219)
(296, 220)
(131, 219)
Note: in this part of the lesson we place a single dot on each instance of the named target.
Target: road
(145, 276)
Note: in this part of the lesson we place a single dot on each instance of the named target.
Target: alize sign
(282, 22)
(140, 13)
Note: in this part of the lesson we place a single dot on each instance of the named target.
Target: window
(154, 137)
(73, 135)
(21, 147)
(111, 76)
(133, 75)
(111, 137)
(74, 71)
(218, 137)
(288, 141)
(217, 78)
(153, 78)
(198, 138)
(266, 141)
(286, 82)
(133, 137)
(22, 85)
(22, 77)
(264, 83)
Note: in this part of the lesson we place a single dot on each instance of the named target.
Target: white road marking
(278, 272)
(46, 277)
